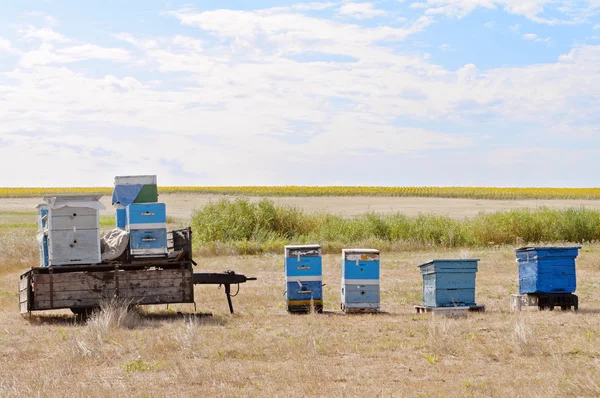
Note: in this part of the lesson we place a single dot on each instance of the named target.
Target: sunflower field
(297, 190)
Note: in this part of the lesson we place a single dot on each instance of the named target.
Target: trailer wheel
(83, 313)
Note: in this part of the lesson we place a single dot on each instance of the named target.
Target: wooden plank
(75, 286)
(107, 276)
(23, 308)
(24, 283)
(124, 292)
(158, 264)
(145, 300)
(98, 287)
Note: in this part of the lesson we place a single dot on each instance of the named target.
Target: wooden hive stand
(544, 301)
(450, 312)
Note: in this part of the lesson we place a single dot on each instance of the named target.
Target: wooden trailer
(83, 288)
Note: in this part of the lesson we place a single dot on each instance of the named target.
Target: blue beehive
(547, 269)
(449, 282)
(360, 280)
(147, 226)
(132, 189)
(120, 216)
(304, 278)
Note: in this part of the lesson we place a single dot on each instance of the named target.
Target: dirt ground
(181, 205)
(263, 351)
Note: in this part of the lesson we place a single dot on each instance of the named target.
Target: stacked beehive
(304, 278)
(69, 230)
(360, 280)
(449, 282)
(137, 211)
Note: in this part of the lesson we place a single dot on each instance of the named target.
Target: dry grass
(263, 351)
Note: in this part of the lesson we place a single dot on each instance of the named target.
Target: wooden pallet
(544, 301)
(452, 312)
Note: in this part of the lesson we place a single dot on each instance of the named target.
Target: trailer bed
(85, 286)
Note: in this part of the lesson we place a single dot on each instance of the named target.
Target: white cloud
(571, 12)
(596, 27)
(47, 54)
(5, 45)
(44, 34)
(490, 24)
(536, 38)
(316, 6)
(360, 10)
(446, 48)
(515, 28)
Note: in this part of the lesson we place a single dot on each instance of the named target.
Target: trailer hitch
(225, 278)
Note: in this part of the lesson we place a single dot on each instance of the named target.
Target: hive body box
(360, 280)
(547, 269)
(132, 189)
(147, 226)
(42, 236)
(304, 278)
(449, 283)
(70, 225)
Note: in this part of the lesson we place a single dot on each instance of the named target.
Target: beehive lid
(443, 261)
(523, 249)
(135, 180)
(304, 250)
(360, 254)
(74, 200)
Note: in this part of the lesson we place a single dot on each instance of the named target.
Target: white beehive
(73, 229)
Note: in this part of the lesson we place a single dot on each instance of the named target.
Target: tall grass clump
(248, 227)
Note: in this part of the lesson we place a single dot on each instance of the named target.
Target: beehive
(547, 269)
(42, 235)
(135, 189)
(129, 190)
(360, 280)
(147, 226)
(72, 229)
(449, 282)
(304, 278)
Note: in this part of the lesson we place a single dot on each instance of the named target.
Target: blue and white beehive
(304, 278)
(360, 280)
(449, 282)
(547, 269)
(69, 230)
(42, 233)
(147, 226)
(132, 189)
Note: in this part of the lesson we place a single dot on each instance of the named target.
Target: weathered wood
(544, 301)
(451, 312)
(162, 299)
(123, 292)
(111, 284)
(86, 289)
(138, 265)
(92, 278)
(24, 294)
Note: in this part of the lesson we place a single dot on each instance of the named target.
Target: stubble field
(263, 351)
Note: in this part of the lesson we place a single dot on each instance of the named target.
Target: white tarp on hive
(113, 244)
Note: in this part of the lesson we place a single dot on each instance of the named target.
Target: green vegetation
(248, 228)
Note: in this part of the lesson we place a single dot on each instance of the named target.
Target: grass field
(309, 191)
(263, 351)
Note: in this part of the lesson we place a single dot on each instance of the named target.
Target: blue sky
(391, 92)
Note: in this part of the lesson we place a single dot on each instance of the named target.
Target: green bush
(250, 228)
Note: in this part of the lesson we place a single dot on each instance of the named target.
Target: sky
(275, 92)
